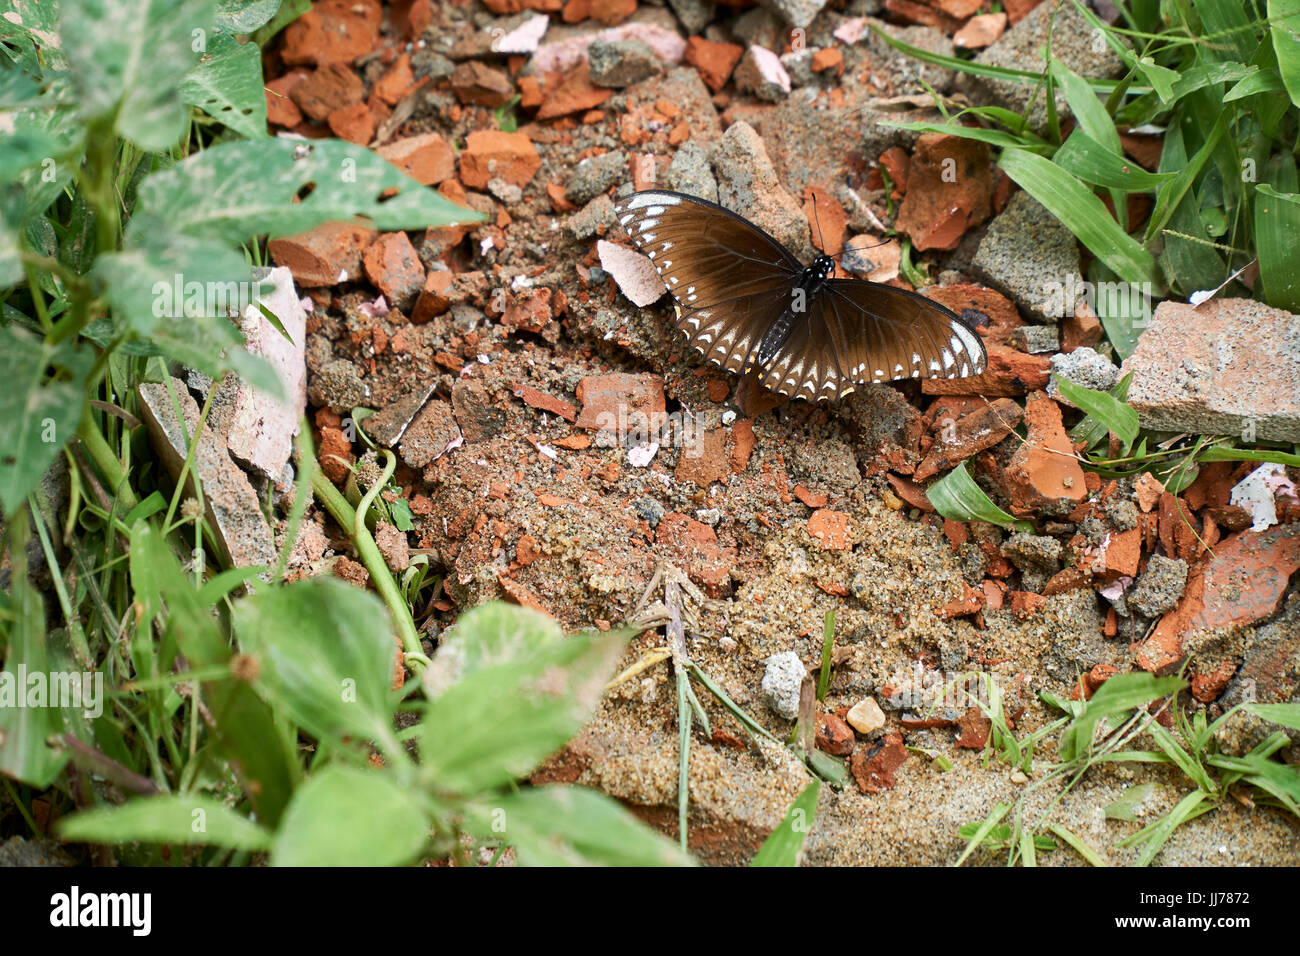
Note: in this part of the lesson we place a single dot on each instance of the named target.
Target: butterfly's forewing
(729, 280)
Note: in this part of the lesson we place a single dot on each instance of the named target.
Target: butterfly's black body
(747, 303)
(811, 281)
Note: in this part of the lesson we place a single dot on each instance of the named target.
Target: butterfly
(747, 303)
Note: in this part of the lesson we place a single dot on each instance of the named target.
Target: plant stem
(102, 455)
(342, 512)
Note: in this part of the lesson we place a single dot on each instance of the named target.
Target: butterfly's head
(823, 267)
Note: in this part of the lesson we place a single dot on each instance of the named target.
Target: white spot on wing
(650, 198)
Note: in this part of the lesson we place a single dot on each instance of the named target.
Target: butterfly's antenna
(817, 221)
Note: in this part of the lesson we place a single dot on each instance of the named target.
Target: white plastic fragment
(1255, 493)
(641, 455)
(634, 274)
(523, 38)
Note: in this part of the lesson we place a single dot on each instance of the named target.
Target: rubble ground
(493, 353)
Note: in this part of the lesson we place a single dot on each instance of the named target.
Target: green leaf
(166, 818)
(30, 31)
(1119, 695)
(571, 826)
(782, 846)
(828, 767)
(1277, 223)
(227, 85)
(40, 414)
(1278, 780)
(1265, 81)
(1092, 430)
(128, 58)
(981, 832)
(325, 654)
(177, 293)
(1211, 74)
(1231, 28)
(1185, 762)
(246, 730)
(1219, 453)
(1171, 193)
(1126, 806)
(256, 745)
(488, 636)
(498, 722)
(1116, 416)
(289, 11)
(244, 16)
(1082, 213)
(958, 498)
(349, 816)
(159, 584)
(235, 191)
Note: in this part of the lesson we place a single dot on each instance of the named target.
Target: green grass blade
(1125, 807)
(1082, 213)
(1277, 224)
(828, 642)
(1288, 715)
(1091, 161)
(1173, 191)
(1085, 851)
(684, 758)
(994, 137)
(1110, 412)
(782, 846)
(1157, 834)
(1250, 454)
(1284, 23)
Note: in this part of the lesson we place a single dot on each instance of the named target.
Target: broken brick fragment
(832, 530)
(950, 189)
(327, 89)
(693, 542)
(834, 736)
(1044, 476)
(427, 158)
(714, 61)
(874, 766)
(534, 398)
(323, 256)
(1243, 583)
(394, 267)
(969, 435)
(621, 402)
(476, 84)
(332, 31)
(975, 728)
(494, 154)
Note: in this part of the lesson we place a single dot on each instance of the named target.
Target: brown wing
(863, 332)
(729, 279)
